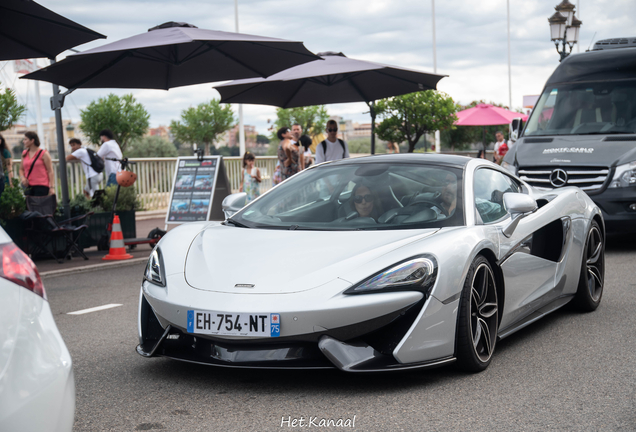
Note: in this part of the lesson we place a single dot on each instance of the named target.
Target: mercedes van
(582, 131)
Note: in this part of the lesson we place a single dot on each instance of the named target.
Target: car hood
(580, 150)
(261, 261)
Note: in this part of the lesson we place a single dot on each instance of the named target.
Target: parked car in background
(582, 132)
(37, 388)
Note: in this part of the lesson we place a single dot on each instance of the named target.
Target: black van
(582, 131)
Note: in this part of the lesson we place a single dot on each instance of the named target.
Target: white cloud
(471, 42)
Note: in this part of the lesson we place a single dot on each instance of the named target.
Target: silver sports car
(379, 263)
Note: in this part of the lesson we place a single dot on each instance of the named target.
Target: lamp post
(564, 28)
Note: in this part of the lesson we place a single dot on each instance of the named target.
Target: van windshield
(585, 108)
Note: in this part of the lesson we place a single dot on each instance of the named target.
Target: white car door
(529, 270)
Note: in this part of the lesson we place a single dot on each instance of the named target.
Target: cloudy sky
(471, 42)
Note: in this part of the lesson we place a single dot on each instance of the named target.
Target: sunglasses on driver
(358, 198)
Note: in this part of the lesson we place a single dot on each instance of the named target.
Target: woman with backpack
(36, 169)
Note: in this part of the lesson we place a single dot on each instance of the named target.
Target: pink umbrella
(486, 115)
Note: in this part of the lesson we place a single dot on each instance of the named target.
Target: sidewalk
(145, 221)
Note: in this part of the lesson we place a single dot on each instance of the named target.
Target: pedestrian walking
(36, 170)
(93, 177)
(331, 148)
(288, 154)
(250, 177)
(6, 168)
(110, 150)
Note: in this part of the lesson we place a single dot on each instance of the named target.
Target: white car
(370, 264)
(37, 388)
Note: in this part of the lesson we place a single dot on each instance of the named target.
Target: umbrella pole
(484, 142)
(372, 111)
(56, 105)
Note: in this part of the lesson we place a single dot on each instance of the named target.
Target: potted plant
(12, 205)
(102, 204)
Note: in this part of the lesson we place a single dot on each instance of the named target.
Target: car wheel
(590, 290)
(478, 318)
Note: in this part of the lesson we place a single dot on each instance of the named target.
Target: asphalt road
(568, 372)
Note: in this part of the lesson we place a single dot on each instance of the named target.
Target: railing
(155, 176)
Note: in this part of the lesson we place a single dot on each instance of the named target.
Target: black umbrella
(336, 79)
(28, 30)
(174, 55)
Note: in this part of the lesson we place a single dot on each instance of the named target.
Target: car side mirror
(233, 203)
(519, 206)
(515, 129)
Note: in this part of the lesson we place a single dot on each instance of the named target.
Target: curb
(93, 267)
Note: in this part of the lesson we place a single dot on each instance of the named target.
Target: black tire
(478, 320)
(590, 291)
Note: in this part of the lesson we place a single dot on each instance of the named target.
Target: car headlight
(416, 273)
(509, 167)
(154, 269)
(624, 176)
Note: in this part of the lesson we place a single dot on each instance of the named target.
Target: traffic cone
(117, 248)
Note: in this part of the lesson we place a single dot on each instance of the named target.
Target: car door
(529, 271)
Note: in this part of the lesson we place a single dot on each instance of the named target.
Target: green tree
(10, 109)
(262, 139)
(151, 146)
(203, 124)
(124, 116)
(311, 118)
(408, 117)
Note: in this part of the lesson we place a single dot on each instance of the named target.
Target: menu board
(197, 185)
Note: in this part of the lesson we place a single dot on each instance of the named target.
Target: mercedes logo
(558, 178)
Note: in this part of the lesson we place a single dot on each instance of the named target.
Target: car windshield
(585, 108)
(360, 196)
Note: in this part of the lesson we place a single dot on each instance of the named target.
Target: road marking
(95, 309)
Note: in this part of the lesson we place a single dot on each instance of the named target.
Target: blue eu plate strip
(274, 321)
(190, 321)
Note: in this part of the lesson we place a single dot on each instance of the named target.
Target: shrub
(12, 201)
(127, 199)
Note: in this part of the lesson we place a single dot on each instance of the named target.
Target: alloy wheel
(594, 263)
(484, 313)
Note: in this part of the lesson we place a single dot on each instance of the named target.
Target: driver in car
(366, 202)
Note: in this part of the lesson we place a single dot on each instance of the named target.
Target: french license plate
(234, 324)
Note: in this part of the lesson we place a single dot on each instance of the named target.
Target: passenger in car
(365, 202)
(448, 196)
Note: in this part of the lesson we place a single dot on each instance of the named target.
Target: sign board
(198, 189)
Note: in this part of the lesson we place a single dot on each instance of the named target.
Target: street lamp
(564, 28)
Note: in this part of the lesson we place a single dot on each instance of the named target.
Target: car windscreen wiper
(607, 133)
(235, 223)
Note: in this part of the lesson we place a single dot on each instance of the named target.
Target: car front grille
(589, 179)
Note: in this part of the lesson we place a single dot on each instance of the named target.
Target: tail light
(18, 268)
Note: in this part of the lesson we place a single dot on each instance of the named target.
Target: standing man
(109, 149)
(93, 178)
(297, 131)
(332, 148)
